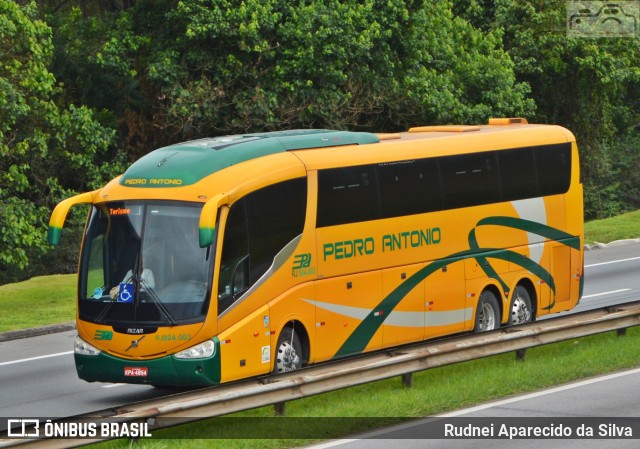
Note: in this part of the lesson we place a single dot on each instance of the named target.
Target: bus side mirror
(56, 222)
(208, 218)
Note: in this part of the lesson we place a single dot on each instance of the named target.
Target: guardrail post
(621, 332)
(521, 354)
(280, 408)
(407, 380)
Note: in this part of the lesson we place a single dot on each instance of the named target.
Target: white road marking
(579, 384)
(613, 261)
(13, 362)
(606, 293)
(583, 383)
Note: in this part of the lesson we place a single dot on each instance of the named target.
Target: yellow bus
(229, 257)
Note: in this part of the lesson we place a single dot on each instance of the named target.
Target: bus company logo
(302, 265)
(301, 261)
(153, 182)
(165, 182)
(136, 371)
(102, 334)
(135, 182)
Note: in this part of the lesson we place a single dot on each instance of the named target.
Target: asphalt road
(605, 400)
(38, 378)
(611, 276)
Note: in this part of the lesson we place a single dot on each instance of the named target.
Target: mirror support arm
(208, 218)
(59, 214)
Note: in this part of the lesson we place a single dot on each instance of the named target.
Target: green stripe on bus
(532, 227)
(362, 335)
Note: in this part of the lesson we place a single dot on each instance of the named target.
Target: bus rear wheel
(487, 313)
(521, 311)
(288, 352)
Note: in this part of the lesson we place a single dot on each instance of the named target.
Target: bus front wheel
(487, 313)
(288, 352)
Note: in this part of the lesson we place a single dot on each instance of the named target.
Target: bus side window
(554, 168)
(234, 248)
(347, 195)
(518, 174)
(258, 227)
(470, 180)
(409, 187)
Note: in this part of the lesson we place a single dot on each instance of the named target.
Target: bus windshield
(141, 264)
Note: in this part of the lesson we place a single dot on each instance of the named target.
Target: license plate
(136, 371)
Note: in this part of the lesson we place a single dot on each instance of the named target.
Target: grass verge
(37, 302)
(625, 226)
(435, 391)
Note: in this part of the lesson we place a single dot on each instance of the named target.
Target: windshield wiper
(156, 300)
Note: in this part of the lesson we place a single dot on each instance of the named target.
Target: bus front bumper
(162, 371)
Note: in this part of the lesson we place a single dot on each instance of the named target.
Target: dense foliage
(86, 87)
(48, 147)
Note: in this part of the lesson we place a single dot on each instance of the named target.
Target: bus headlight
(83, 348)
(202, 351)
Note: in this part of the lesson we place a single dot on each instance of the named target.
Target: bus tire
(520, 311)
(487, 313)
(288, 352)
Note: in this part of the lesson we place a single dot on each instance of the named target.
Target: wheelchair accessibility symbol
(602, 18)
(126, 293)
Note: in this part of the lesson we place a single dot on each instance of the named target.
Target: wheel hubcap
(520, 313)
(288, 359)
(487, 318)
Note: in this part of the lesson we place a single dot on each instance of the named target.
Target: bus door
(446, 310)
(406, 323)
(342, 305)
(562, 267)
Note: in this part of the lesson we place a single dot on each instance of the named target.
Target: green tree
(47, 150)
(166, 70)
(587, 84)
(374, 65)
(173, 70)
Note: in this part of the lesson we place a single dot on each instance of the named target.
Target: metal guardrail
(225, 399)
